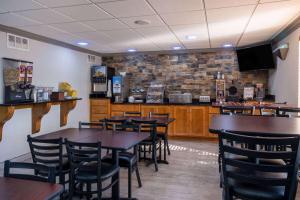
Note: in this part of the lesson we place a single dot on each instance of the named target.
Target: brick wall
(186, 72)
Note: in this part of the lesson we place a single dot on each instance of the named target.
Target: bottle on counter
(219, 75)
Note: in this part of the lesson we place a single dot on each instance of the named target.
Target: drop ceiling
(108, 25)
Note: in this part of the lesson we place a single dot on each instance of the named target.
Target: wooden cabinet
(198, 121)
(190, 120)
(145, 109)
(119, 109)
(99, 109)
(182, 122)
(212, 111)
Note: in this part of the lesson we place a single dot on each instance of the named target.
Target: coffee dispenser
(101, 77)
(17, 76)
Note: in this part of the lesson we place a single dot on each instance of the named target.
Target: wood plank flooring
(191, 175)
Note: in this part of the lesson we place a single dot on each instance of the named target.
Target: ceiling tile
(84, 12)
(153, 20)
(45, 16)
(161, 36)
(166, 6)
(281, 14)
(44, 30)
(124, 35)
(14, 20)
(192, 17)
(96, 36)
(127, 8)
(15, 5)
(107, 24)
(255, 37)
(209, 4)
(73, 27)
(59, 3)
(198, 30)
(228, 24)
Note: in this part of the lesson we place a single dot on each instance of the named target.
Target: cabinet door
(145, 109)
(182, 123)
(198, 121)
(117, 113)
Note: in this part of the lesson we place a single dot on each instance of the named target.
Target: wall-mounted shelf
(39, 109)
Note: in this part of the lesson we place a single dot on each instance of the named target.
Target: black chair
(88, 170)
(164, 134)
(126, 159)
(49, 152)
(132, 114)
(255, 173)
(152, 144)
(237, 110)
(49, 171)
(91, 125)
(114, 124)
(288, 112)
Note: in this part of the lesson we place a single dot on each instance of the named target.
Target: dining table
(251, 125)
(116, 141)
(20, 189)
(160, 121)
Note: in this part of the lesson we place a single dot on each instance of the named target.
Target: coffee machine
(17, 76)
(101, 79)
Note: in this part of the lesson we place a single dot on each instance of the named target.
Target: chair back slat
(90, 125)
(149, 126)
(252, 164)
(237, 110)
(47, 151)
(81, 153)
(132, 114)
(114, 124)
(48, 171)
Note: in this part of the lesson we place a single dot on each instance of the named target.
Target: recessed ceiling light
(191, 37)
(176, 47)
(131, 50)
(82, 43)
(227, 45)
(142, 22)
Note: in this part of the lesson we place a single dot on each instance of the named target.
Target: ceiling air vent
(91, 59)
(17, 42)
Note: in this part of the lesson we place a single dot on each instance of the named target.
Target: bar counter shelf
(39, 109)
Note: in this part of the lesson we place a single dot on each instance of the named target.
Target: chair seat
(251, 191)
(258, 192)
(161, 135)
(89, 173)
(149, 141)
(125, 159)
(65, 167)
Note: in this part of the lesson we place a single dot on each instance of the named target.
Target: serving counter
(191, 120)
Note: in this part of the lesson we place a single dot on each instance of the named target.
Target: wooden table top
(18, 189)
(275, 126)
(159, 120)
(118, 140)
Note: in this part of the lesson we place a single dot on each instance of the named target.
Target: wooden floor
(191, 175)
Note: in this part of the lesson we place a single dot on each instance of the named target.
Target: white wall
(52, 64)
(284, 81)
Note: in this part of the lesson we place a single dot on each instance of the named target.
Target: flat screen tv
(255, 58)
